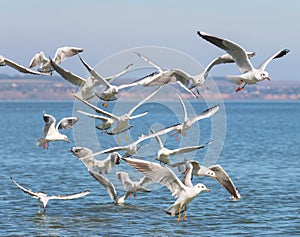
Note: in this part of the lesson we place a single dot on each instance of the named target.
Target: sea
(257, 143)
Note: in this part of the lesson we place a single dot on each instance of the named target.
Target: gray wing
(226, 58)
(124, 179)
(279, 54)
(64, 52)
(236, 51)
(25, 190)
(206, 114)
(224, 179)
(96, 109)
(159, 174)
(187, 178)
(106, 184)
(67, 123)
(95, 116)
(49, 123)
(21, 68)
(187, 149)
(74, 79)
(70, 196)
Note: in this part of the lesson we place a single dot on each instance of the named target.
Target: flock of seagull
(160, 169)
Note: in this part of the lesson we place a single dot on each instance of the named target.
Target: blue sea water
(261, 153)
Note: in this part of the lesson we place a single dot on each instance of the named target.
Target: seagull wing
(205, 114)
(70, 196)
(21, 68)
(106, 184)
(159, 141)
(159, 174)
(94, 73)
(126, 69)
(67, 123)
(187, 178)
(279, 54)
(183, 107)
(74, 79)
(224, 179)
(143, 101)
(185, 149)
(124, 179)
(64, 52)
(226, 58)
(37, 59)
(96, 109)
(236, 51)
(49, 123)
(150, 62)
(25, 190)
(95, 116)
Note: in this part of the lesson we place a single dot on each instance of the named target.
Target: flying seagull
(61, 54)
(51, 132)
(164, 153)
(181, 77)
(183, 190)
(7, 62)
(214, 171)
(101, 166)
(44, 198)
(250, 75)
(133, 186)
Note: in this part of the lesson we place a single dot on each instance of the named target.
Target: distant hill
(30, 87)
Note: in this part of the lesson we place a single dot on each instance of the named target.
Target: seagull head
(265, 75)
(201, 187)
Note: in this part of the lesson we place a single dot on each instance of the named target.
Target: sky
(104, 28)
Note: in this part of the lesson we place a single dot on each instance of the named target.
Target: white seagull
(184, 190)
(164, 153)
(101, 166)
(51, 132)
(214, 171)
(7, 62)
(122, 122)
(111, 90)
(61, 54)
(133, 186)
(181, 77)
(86, 85)
(182, 128)
(250, 75)
(44, 198)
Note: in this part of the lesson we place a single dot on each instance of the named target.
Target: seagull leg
(118, 139)
(184, 217)
(126, 137)
(179, 211)
(240, 87)
(134, 195)
(39, 211)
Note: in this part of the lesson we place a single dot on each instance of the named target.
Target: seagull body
(182, 77)
(61, 54)
(7, 62)
(215, 171)
(164, 153)
(109, 188)
(102, 166)
(184, 190)
(44, 198)
(133, 186)
(122, 122)
(51, 132)
(250, 75)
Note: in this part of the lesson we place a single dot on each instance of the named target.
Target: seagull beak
(208, 190)
(268, 78)
(67, 140)
(215, 177)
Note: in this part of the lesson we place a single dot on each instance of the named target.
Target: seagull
(51, 132)
(181, 77)
(106, 122)
(122, 122)
(182, 128)
(131, 186)
(184, 190)
(102, 166)
(44, 198)
(86, 85)
(250, 75)
(111, 90)
(61, 54)
(7, 62)
(215, 171)
(109, 188)
(164, 153)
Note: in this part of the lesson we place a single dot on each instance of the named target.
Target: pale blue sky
(104, 28)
